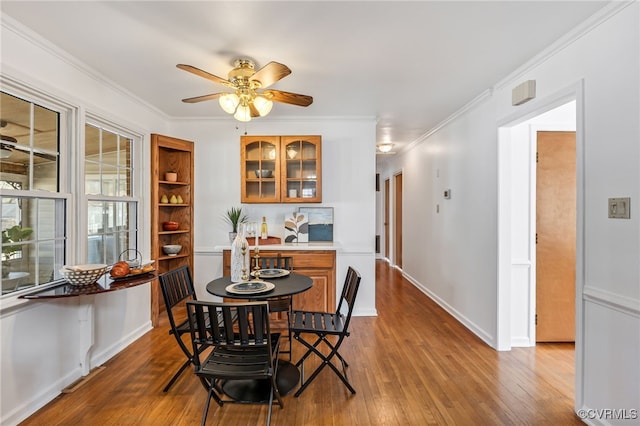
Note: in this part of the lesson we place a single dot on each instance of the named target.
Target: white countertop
(319, 245)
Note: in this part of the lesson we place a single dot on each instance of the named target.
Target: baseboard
(116, 348)
(83, 380)
(39, 400)
(474, 328)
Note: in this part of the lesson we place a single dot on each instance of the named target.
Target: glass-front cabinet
(260, 169)
(281, 169)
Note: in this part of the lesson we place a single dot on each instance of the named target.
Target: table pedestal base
(258, 390)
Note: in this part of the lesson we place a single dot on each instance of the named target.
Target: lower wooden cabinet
(320, 265)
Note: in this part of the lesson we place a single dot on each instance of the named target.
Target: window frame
(72, 120)
(134, 198)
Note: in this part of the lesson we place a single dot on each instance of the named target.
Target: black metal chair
(177, 288)
(243, 347)
(322, 325)
(281, 304)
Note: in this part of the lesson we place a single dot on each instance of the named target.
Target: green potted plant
(9, 236)
(234, 217)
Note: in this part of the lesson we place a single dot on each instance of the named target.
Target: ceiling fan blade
(204, 74)
(289, 98)
(270, 73)
(254, 111)
(14, 146)
(203, 98)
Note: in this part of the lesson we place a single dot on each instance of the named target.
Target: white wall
(452, 255)
(41, 346)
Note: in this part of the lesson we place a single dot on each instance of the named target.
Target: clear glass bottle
(263, 229)
(240, 259)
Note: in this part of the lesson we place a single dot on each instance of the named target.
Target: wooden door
(397, 229)
(556, 237)
(387, 187)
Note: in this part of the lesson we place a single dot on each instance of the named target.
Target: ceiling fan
(8, 144)
(248, 97)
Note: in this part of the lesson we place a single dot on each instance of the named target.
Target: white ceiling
(409, 65)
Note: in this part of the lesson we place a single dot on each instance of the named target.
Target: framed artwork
(296, 228)
(320, 222)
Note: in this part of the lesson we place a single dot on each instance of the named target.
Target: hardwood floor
(412, 365)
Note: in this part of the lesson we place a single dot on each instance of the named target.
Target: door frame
(575, 92)
(398, 197)
(387, 219)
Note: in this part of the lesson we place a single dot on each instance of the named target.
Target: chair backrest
(348, 296)
(234, 325)
(276, 262)
(176, 286)
(282, 304)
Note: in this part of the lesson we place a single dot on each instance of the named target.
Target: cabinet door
(317, 297)
(301, 180)
(260, 169)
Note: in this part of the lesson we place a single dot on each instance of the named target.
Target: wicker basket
(81, 275)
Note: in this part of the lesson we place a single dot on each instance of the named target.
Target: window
(112, 210)
(48, 201)
(31, 208)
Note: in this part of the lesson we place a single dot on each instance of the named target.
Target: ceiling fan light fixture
(229, 102)
(385, 147)
(5, 152)
(262, 105)
(243, 113)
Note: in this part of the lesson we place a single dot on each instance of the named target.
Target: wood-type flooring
(413, 364)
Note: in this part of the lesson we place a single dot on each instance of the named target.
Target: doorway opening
(549, 204)
(560, 114)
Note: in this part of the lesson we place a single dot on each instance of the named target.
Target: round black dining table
(288, 375)
(284, 286)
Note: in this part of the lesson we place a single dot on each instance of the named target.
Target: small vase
(240, 266)
(171, 176)
(232, 236)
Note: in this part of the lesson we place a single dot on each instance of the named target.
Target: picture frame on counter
(296, 228)
(320, 222)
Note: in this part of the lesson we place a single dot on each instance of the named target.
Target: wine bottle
(263, 228)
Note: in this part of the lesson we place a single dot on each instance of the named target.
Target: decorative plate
(271, 273)
(250, 287)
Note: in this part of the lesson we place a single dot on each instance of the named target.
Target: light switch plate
(619, 208)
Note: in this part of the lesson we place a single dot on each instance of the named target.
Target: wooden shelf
(177, 256)
(176, 155)
(166, 182)
(177, 231)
